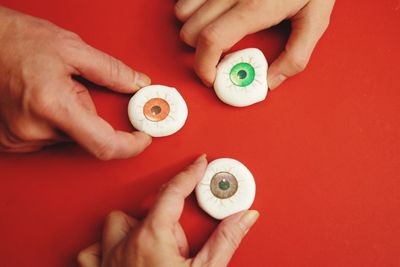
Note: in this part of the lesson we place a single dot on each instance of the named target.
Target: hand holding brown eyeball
(159, 240)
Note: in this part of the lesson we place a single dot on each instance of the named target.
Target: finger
(95, 134)
(116, 228)
(90, 257)
(221, 35)
(84, 97)
(206, 14)
(185, 8)
(169, 206)
(307, 28)
(28, 147)
(181, 241)
(11, 144)
(222, 244)
(21, 149)
(207, 57)
(107, 71)
(31, 130)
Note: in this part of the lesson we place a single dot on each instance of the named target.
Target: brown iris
(223, 185)
(156, 109)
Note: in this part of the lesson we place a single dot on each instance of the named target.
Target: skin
(214, 26)
(159, 240)
(40, 101)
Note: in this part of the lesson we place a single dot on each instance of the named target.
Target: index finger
(221, 35)
(94, 133)
(169, 205)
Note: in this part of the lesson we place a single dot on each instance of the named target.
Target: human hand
(159, 239)
(40, 101)
(214, 26)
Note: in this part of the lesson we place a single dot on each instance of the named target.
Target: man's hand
(214, 26)
(41, 103)
(159, 239)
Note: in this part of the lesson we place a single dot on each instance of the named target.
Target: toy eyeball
(226, 188)
(157, 110)
(241, 78)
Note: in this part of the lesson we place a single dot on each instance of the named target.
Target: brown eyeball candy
(226, 188)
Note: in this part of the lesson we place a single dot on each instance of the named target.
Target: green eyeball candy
(242, 74)
(241, 78)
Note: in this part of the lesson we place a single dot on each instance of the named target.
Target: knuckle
(82, 257)
(68, 35)
(69, 43)
(21, 130)
(43, 105)
(27, 131)
(152, 227)
(183, 175)
(142, 239)
(105, 150)
(114, 69)
(252, 5)
(115, 216)
(186, 36)
(179, 11)
(210, 35)
(172, 188)
(298, 63)
(232, 236)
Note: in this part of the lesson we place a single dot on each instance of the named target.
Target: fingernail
(276, 81)
(248, 219)
(200, 159)
(142, 80)
(207, 83)
(150, 140)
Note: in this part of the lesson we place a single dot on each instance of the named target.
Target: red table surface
(324, 148)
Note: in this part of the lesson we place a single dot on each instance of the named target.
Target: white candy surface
(241, 200)
(175, 118)
(242, 90)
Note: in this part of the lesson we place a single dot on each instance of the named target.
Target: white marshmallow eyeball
(226, 188)
(241, 78)
(157, 110)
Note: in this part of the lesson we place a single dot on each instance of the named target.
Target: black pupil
(224, 184)
(242, 74)
(155, 110)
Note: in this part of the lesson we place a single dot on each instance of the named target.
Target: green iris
(242, 74)
(224, 184)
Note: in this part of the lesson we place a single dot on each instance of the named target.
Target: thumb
(307, 28)
(92, 132)
(90, 257)
(107, 71)
(221, 246)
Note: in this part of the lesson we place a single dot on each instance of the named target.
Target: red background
(324, 148)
